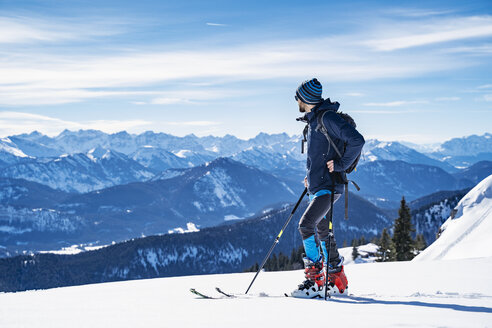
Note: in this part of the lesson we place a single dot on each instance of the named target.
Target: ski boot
(337, 281)
(314, 284)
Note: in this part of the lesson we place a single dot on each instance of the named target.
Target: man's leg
(315, 212)
(324, 231)
(336, 276)
(313, 286)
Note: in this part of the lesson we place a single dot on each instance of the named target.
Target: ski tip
(286, 295)
(224, 293)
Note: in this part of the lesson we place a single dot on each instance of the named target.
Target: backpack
(339, 177)
(321, 127)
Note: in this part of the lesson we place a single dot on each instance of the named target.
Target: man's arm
(341, 129)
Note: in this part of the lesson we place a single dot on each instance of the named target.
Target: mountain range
(114, 187)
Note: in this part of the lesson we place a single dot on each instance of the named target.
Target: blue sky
(416, 71)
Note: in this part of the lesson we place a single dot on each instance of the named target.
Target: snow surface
(467, 233)
(190, 227)
(75, 249)
(408, 294)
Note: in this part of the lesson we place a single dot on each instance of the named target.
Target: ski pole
(330, 231)
(278, 238)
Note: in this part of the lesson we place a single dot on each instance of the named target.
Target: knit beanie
(309, 92)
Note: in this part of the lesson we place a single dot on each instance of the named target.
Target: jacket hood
(328, 105)
(325, 105)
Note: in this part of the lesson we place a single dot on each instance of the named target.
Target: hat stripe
(310, 91)
(313, 85)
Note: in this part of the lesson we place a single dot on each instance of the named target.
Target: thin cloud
(384, 112)
(354, 94)
(395, 103)
(21, 29)
(216, 24)
(439, 31)
(487, 97)
(413, 138)
(192, 123)
(12, 123)
(169, 101)
(419, 12)
(475, 50)
(485, 86)
(448, 99)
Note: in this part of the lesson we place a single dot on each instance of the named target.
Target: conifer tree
(355, 252)
(274, 263)
(362, 240)
(402, 234)
(384, 250)
(420, 243)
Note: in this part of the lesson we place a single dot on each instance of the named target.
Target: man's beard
(302, 109)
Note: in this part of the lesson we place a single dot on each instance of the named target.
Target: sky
(416, 71)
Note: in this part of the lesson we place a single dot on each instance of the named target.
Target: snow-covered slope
(394, 294)
(10, 153)
(466, 234)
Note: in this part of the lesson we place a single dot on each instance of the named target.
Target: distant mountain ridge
(38, 158)
(82, 172)
(394, 151)
(466, 151)
(382, 181)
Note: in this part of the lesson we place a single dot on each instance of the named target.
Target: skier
(323, 165)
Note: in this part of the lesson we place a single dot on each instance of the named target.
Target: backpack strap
(304, 140)
(321, 127)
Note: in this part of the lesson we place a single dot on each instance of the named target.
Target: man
(323, 165)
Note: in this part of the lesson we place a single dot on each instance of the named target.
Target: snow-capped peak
(98, 153)
(182, 153)
(8, 146)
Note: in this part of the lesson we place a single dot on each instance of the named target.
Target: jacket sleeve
(340, 129)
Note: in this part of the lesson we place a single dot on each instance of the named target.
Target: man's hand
(305, 182)
(331, 166)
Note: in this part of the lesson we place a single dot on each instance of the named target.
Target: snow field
(411, 294)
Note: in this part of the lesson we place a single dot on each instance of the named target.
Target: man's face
(302, 106)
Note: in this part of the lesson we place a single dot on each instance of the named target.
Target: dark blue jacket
(320, 151)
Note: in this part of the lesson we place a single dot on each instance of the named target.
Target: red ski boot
(314, 284)
(337, 281)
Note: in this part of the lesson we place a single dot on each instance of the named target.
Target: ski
(194, 291)
(224, 293)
